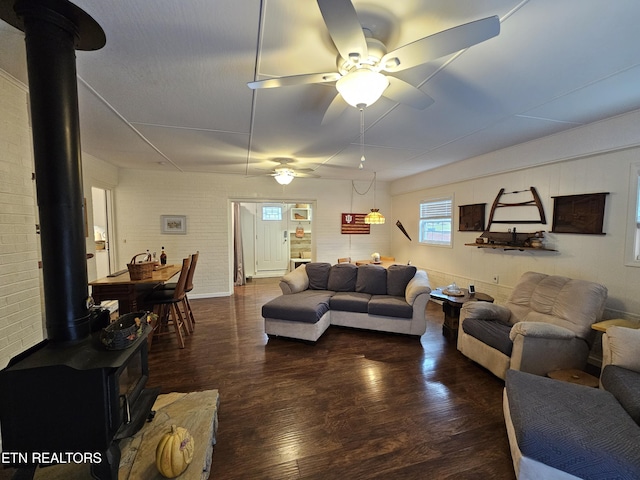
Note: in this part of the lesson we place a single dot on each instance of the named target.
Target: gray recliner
(545, 325)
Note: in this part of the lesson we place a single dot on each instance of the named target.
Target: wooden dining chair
(170, 307)
(187, 288)
(387, 259)
(344, 260)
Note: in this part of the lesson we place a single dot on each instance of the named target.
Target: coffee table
(451, 306)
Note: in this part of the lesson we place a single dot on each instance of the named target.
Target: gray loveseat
(562, 431)
(371, 297)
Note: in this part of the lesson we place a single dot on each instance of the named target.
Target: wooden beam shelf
(511, 240)
(509, 247)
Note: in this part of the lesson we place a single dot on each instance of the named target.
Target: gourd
(174, 452)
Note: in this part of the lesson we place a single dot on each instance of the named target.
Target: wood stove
(67, 394)
(79, 399)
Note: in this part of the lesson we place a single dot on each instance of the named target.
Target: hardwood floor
(357, 405)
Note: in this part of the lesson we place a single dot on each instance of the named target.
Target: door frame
(256, 200)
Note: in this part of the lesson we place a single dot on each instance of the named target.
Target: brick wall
(21, 324)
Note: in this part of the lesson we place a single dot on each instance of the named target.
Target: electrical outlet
(496, 278)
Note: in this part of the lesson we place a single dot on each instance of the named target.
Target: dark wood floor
(356, 405)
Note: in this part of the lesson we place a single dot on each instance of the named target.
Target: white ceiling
(169, 89)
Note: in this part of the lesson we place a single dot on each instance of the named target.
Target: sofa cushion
(372, 279)
(494, 333)
(308, 306)
(350, 302)
(318, 273)
(624, 384)
(389, 306)
(398, 277)
(580, 430)
(342, 277)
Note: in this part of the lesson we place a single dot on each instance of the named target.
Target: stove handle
(127, 409)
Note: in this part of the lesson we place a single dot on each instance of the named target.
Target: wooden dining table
(126, 291)
(383, 263)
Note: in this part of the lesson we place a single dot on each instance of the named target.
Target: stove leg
(25, 473)
(108, 468)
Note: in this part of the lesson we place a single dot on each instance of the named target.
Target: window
(435, 221)
(633, 224)
(272, 213)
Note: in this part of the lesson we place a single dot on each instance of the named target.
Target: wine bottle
(163, 257)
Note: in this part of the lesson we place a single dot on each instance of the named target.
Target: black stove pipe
(54, 29)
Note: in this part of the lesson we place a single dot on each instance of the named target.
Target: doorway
(275, 237)
(102, 212)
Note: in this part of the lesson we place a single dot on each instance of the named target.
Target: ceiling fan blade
(305, 175)
(344, 27)
(335, 109)
(295, 80)
(403, 92)
(441, 44)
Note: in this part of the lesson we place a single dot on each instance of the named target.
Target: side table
(618, 322)
(451, 306)
(575, 376)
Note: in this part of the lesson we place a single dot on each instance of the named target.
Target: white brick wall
(142, 196)
(20, 292)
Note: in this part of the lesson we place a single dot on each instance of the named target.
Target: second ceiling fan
(362, 59)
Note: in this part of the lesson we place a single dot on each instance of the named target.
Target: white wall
(20, 305)
(143, 196)
(599, 258)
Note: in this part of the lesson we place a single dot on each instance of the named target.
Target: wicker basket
(124, 331)
(140, 270)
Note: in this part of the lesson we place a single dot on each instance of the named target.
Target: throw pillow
(318, 273)
(342, 277)
(372, 279)
(398, 277)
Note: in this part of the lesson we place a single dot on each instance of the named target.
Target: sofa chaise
(563, 431)
(371, 297)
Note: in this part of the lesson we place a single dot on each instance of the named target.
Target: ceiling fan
(284, 173)
(362, 59)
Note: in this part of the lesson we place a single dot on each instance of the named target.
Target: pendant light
(374, 217)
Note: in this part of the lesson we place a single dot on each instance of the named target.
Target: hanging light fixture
(362, 87)
(374, 217)
(284, 176)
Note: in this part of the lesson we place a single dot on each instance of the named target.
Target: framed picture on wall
(173, 224)
(471, 218)
(579, 213)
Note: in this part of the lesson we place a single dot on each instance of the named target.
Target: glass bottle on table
(163, 257)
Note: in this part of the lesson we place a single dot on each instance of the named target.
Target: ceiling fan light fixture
(362, 86)
(284, 176)
(374, 217)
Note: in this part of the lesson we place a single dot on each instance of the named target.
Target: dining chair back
(189, 286)
(167, 306)
(192, 268)
(344, 260)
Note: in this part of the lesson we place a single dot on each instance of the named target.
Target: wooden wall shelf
(509, 247)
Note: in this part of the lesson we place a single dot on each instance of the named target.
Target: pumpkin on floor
(174, 452)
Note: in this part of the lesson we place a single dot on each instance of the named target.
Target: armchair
(545, 325)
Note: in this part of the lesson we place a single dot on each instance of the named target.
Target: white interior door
(101, 200)
(272, 240)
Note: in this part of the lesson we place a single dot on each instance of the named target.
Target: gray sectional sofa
(563, 431)
(371, 297)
